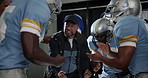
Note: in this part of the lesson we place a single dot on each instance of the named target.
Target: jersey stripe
(31, 22)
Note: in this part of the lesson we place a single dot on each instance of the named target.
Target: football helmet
(55, 6)
(120, 8)
(102, 27)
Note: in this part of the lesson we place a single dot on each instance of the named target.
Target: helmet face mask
(120, 8)
(55, 6)
(101, 29)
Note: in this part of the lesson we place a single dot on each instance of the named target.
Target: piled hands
(96, 57)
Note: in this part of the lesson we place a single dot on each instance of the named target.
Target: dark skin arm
(121, 61)
(113, 54)
(32, 51)
(123, 73)
(4, 5)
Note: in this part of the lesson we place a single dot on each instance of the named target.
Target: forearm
(122, 60)
(32, 51)
(113, 54)
(115, 63)
(41, 58)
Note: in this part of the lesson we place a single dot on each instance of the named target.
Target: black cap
(73, 18)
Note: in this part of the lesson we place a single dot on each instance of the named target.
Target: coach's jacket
(76, 59)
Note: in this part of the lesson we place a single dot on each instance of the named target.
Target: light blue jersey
(131, 31)
(20, 16)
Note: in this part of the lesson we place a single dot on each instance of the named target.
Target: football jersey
(20, 16)
(131, 31)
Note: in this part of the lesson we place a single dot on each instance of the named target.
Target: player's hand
(87, 74)
(59, 60)
(61, 74)
(47, 39)
(97, 67)
(104, 47)
(95, 56)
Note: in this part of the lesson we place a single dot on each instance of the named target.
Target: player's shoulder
(129, 18)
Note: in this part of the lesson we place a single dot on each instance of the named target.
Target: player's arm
(113, 52)
(121, 62)
(34, 53)
(123, 59)
(30, 33)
